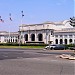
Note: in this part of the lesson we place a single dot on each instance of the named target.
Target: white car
(56, 47)
(51, 46)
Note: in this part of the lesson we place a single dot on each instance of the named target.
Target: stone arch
(56, 41)
(26, 37)
(65, 41)
(40, 37)
(61, 41)
(70, 41)
(32, 37)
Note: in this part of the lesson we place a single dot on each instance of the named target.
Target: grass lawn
(22, 47)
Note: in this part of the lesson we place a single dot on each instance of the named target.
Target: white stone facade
(48, 32)
(35, 33)
(65, 36)
(6, 37)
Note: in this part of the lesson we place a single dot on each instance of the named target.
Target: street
(35, 62)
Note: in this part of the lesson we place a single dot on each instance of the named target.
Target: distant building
(6, 37)
(48, 32)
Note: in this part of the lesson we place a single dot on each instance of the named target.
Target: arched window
(65, 41)
(32, 37)
(15, 40)
(40, 37)
(56, 41)
(70, 40)
(11, 39)
(61, 41)
(26, 37)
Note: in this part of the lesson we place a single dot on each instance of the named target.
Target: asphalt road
(35, 62)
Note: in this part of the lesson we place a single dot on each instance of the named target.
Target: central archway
(56, 41)
(61, 41)
(40, 37)
(32, 37)
(70, 41)
(65, 41)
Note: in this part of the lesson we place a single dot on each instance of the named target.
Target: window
(52, 33)
(56, 35)
(56, 41)
(61, 41)
(65, 36)
(60, 35)
(70, 36)
(70, 41)
(65, 41)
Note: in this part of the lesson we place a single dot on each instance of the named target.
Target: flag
(0, 17)
(10, 17)
(22, 13)
(1, 20)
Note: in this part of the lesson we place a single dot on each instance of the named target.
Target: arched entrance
(61, 41)
(32, 37)
(56, 41)
(40, 37)
(70, 41)
(26, 37)
(65, 41)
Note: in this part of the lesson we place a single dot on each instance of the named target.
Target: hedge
(15, 44)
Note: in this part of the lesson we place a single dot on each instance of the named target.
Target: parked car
(55, 47)
(60, 47)
(51, 46)
(72, 48)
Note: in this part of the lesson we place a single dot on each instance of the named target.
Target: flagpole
(20, 37)
(9, 25)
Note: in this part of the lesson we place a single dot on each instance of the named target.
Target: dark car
(72, 48)
(59, 47)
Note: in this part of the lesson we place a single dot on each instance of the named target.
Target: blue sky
(35, 11)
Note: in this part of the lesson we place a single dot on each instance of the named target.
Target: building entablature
(46, 25)
(7, 33)
(65, 30)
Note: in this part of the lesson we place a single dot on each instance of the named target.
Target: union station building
(47, 32)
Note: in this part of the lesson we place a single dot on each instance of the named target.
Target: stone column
(73, 39)
(29, 36)
(44, 36)
(68, 39)
(22, 37)
(36, 36)
(58, 39)
(23, 40)
(63, 39)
